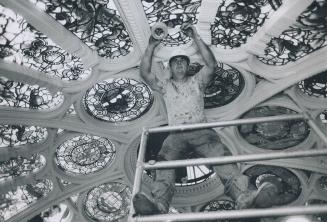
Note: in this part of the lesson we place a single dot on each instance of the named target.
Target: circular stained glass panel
(108, 202)
(315, 86)
(118, 100)
(287, 183)
(227, 85)
(275, 135)
(85, 154)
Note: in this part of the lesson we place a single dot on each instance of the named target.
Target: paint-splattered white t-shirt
(184, 100)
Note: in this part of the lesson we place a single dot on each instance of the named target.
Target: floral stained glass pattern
(85, 154)
(97, 23)
(118, 100)
(22, 197)
(17, 94)
(108, 202)
(307, 35)
(23, 44)
(173, 13)
(17, 135)
(275, 135)
(226, 86)
(20, 166)
(315, 86)
(237, 20)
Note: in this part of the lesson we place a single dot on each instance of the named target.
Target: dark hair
(183, 56)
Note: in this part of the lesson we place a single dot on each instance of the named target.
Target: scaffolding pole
(225, 123)
(235, 214)
(234, 159)
(140, 166)
(315, 127)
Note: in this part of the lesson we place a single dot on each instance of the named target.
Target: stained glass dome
(73, 104)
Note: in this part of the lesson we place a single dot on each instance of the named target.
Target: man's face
(179, 67)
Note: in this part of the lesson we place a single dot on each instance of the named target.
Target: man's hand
(153, 42)
(189, 30)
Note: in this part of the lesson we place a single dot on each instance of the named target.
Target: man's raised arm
(146, 63)
(206, 53)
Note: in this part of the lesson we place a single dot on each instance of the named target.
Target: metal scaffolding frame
(233, 214)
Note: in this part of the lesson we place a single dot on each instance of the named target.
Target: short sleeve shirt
(184, 100)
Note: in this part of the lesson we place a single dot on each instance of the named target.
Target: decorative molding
(284, 17)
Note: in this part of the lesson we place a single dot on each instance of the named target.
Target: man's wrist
(196, 37)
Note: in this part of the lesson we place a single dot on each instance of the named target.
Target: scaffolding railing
(233, 214)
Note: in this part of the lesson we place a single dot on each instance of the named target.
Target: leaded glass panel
(22, 197)
(226, 85)
(85, 154)
(18, 94)
(323, 117)
(274, 135)
(21, 43)
(217, 205)
(21, 166)
(287, 183)
(307, 35)
(323, 183)
(108, 202)
(97, 23)
(237, 20)
(17, 135)
(173, 13)
(315, 86)
(117, 100)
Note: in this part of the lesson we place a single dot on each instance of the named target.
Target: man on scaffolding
(184, 98)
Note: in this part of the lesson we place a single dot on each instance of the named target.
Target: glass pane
(17, 135)
(287, 183)
(22, 197)
(18, 94)
(118, 100)
(97, 23)
(21, 43)
(315, 86)
(21, 166)
(227, 85)
(85, 154)
(108, 202)
(305, 36)
(236, 20)
(275, 135)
